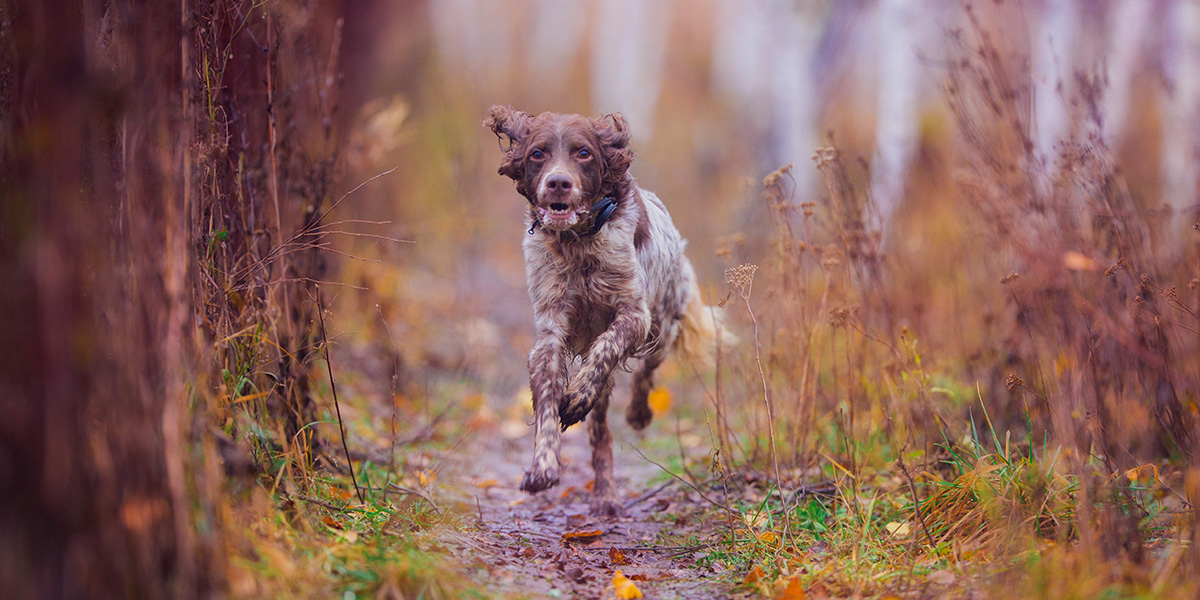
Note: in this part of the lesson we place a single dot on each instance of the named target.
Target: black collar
(600, 212)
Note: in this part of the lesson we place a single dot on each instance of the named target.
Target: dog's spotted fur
(625, 291)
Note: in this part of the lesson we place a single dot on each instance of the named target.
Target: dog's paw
(573, 408)
(607, 506)
(536, 481)
(638, 415)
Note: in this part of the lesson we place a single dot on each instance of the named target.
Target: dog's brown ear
(514, 125)
(613, 133)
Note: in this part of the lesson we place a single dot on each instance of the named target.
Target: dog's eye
(584, 153)
(537, 155)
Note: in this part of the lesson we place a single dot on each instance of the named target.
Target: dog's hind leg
(605, 501)
(638, 415)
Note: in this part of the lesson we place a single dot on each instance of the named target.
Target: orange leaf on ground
(625, 588)
(582, 536)
(754, 576)
(617, 557)
(488, 483)
(793, 591)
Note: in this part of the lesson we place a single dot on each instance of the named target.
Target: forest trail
(549, 545)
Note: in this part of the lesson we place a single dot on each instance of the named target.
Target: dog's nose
(558, 183)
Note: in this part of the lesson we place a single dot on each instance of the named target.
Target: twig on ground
(916, 501)
(333, 388)
(648, 495)
(694, 487)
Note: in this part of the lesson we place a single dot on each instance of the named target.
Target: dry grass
(1059, 465)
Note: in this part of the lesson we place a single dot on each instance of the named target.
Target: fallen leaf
(526, 552)
(898, 529)
(426, 477)
(617, 557)
(942, 577)
(488, 483)
(625, 588)
(659, 401)
(331, 522)
(567, 491)
(755, 520)
(580, 536)
(793, 591)
(351, 536)
(754, 576)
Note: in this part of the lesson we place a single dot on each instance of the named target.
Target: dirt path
(549, 545)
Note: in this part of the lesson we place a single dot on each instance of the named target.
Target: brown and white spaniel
(607, 277)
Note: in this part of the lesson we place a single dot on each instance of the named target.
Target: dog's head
(562, 164)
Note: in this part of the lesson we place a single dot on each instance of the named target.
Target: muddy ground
(550, 545)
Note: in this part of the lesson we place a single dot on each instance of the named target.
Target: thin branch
(333, 387)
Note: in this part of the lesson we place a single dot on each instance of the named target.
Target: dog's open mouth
(559, 215)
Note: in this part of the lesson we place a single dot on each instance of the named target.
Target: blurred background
(719, 94)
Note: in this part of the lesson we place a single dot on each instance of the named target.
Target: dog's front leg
(547, 380)
(628, 329)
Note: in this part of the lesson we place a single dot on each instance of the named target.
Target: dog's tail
(702, 332)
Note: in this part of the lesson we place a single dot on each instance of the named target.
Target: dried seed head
(831, 257)
(841, 317)
(1013, 381)
(740, 276)
(772, 178)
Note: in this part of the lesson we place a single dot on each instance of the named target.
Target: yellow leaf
(898, 529)
(625, 588)
(793, 591)
(659, 401)
(755, 520)
(426, 477)
(488, 483)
